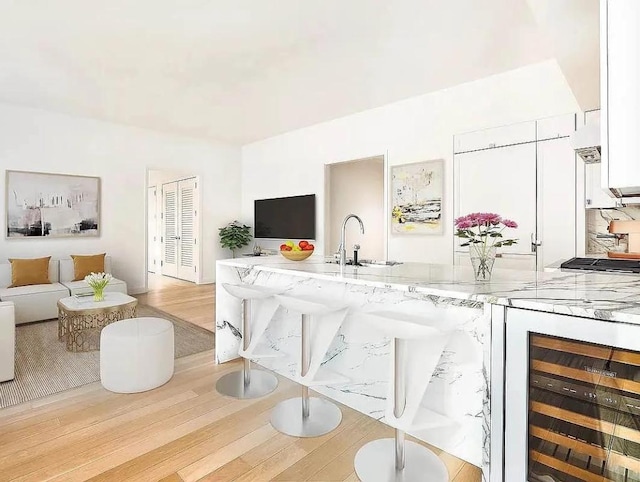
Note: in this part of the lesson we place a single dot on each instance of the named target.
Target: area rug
(45, 367)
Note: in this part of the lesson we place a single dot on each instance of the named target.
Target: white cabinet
(495, 137)
(595, 196)
(556, 163)
(501, 181)
(532, 183)
(620, 78)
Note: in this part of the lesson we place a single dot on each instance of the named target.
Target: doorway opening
(173, 228)
(358, 187)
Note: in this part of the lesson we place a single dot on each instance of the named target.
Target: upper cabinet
(620, 96)
(595, 196)
(495, 137)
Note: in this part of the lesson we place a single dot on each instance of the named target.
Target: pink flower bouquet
(482, 232)
(484, 228)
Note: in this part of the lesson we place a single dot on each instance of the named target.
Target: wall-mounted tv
(291, 217)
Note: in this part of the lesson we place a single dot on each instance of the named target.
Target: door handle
(535, 243)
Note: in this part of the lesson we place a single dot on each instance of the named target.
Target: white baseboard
(206, 281)
(137, 291)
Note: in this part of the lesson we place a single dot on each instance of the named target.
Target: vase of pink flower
(482, 232)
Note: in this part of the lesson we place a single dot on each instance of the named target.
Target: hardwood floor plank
(326, 452)
(77, 423)
(243, 414)
(341, 466)
(172, 478)
(468, 473)
(274, 466)
(228, 472)
(225, 455)
(61, 455)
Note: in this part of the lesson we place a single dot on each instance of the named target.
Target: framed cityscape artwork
(43, 205)
(416, 197)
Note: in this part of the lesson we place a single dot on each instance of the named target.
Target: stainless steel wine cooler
(573, 399)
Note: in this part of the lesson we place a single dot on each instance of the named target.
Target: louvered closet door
(187, 229)
(170, 229)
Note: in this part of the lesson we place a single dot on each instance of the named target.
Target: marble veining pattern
(599, 241)
(606, 296)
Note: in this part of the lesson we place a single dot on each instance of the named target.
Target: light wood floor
(188, 301)
(182, 431)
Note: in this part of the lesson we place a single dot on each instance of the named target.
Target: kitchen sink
(369, 263)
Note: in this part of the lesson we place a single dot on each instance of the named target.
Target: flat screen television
(291, 217)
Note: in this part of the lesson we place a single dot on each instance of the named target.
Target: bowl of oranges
(296, 252)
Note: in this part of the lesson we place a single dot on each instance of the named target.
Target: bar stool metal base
(261, 383)
(376, 462)
(323, 417)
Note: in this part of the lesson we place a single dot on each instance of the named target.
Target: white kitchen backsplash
(597, 224)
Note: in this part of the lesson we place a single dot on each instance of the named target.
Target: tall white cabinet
(525, 172)
(620, 95)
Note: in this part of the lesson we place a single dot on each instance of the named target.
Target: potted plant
(235, 235)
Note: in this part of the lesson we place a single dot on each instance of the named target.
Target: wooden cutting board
(615, 254)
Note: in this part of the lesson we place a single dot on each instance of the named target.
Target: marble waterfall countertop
(611, 297)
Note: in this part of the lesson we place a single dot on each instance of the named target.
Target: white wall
(417, 129)
(36, 140)
(357, 187)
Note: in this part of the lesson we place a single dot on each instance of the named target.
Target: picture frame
(50, 205)
(417, 191)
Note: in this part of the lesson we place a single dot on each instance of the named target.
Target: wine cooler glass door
(572, 399)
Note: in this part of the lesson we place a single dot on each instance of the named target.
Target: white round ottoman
(136, 354)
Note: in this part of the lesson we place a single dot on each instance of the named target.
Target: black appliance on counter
(603, 264)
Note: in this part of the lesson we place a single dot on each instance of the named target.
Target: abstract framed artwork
(45, 205)
(416, 197)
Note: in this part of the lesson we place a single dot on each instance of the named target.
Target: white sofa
(40, 302)
(34, 302)
(80, 287)
(7, 341)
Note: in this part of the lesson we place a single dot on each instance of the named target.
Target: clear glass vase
(482, 259)
(98, 294)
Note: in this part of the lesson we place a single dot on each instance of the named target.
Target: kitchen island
(469, 377)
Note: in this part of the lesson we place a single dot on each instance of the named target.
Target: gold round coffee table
(80, 319)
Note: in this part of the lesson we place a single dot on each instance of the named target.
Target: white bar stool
(304, 416)
(416, 349)
(247, 383)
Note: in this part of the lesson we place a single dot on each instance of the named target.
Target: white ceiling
(243, 70)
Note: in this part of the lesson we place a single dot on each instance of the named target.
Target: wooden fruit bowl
(296, 255)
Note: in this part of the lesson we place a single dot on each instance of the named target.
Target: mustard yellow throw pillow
(84, 265)
(34, 271)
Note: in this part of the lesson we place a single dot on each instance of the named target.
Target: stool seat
(136, 354)
(400, 325)
(304, 416)
(250, 292)
(309, 305)
(248, 383)
(417, 345)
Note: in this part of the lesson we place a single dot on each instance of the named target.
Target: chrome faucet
(342, 249)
